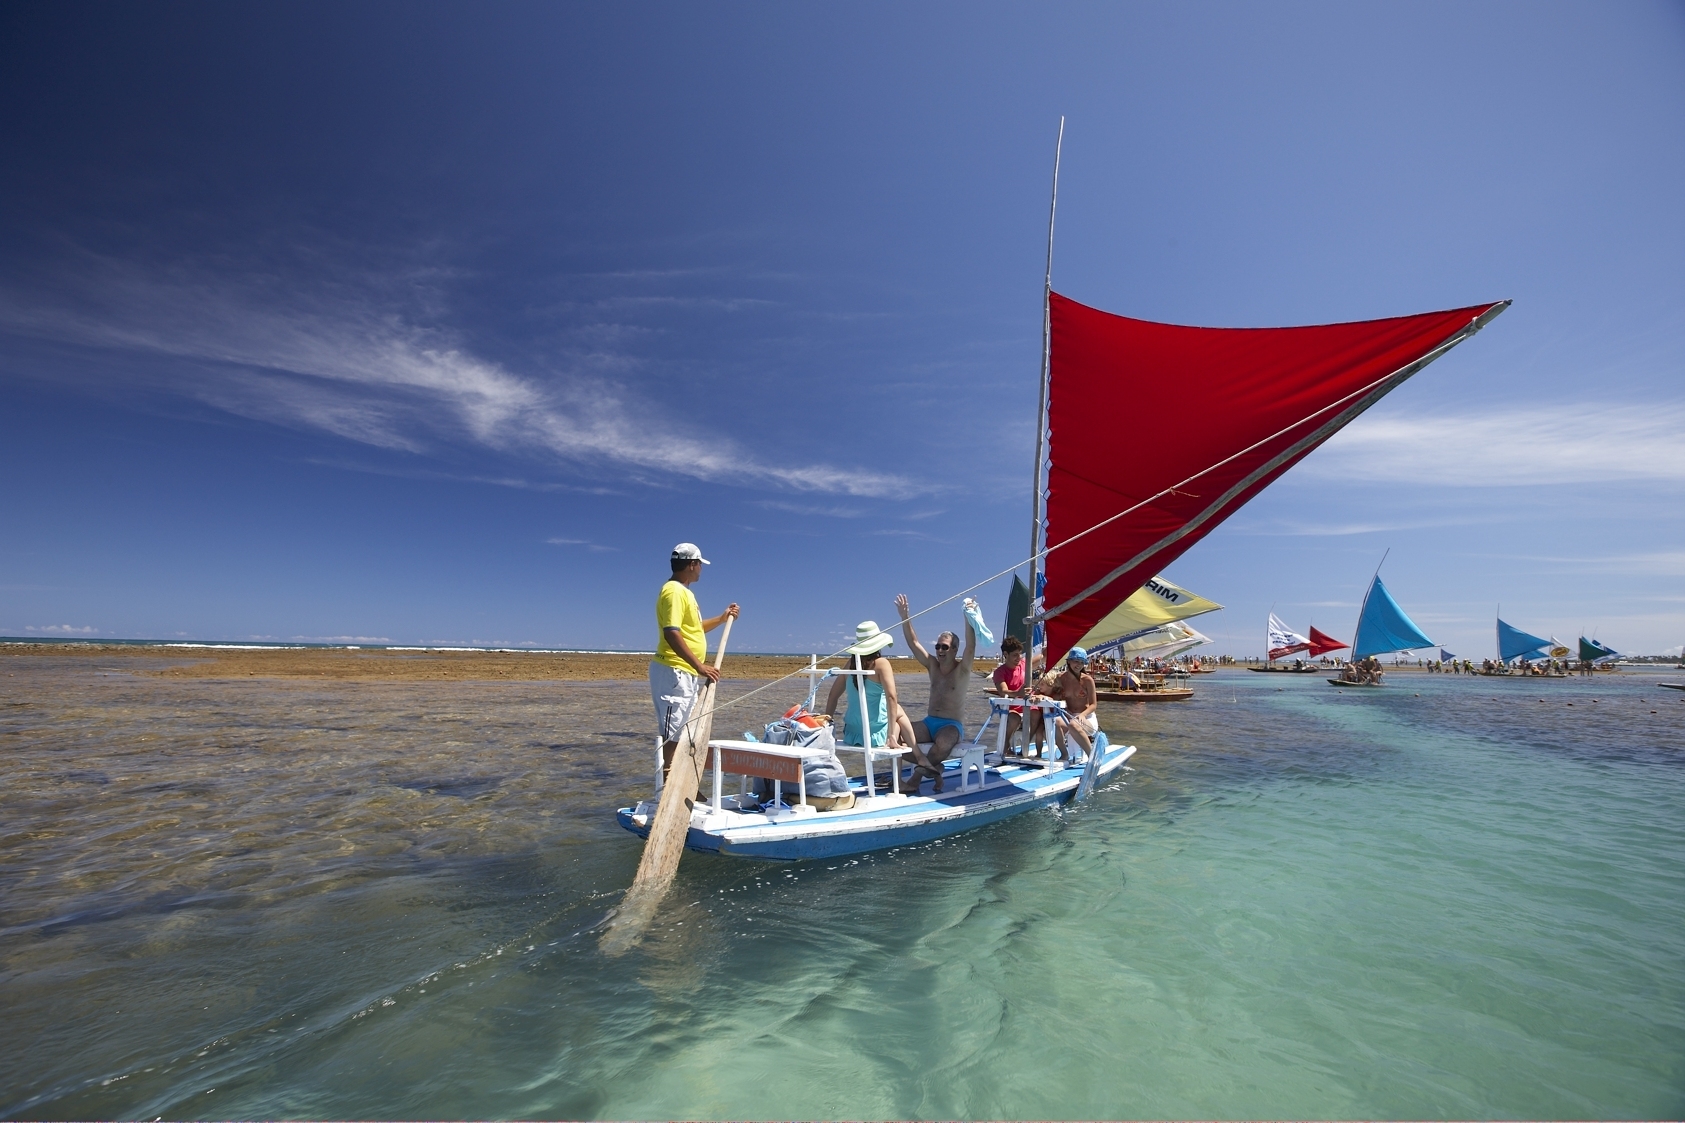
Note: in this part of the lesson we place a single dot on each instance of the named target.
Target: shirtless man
(1075, 688)
(950, 676)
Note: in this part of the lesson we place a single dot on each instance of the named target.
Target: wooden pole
(671, 824)
(1036, 479)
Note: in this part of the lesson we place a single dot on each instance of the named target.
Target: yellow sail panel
(1157, 602)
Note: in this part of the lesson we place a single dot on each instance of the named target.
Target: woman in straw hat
(866, 654)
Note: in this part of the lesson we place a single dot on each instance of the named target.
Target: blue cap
(1076, 653)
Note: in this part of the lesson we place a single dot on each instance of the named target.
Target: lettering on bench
(769, 766)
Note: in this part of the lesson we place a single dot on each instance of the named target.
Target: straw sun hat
(868, 639)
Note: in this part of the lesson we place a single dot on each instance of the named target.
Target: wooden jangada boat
(1266, 397)
(1382, 628)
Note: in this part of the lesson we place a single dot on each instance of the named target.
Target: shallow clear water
(250, 899)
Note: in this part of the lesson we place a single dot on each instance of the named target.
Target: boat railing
(782, 764)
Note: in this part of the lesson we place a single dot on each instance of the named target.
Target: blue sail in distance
(1591, 651)
(1384, 627)
(1514, 643)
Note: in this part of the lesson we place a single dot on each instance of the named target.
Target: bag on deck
(824, 777)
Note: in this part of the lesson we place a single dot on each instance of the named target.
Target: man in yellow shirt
(681, 652)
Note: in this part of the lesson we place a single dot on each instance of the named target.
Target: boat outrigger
(1101, 531)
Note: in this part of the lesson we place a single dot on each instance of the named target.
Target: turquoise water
(1448, 898)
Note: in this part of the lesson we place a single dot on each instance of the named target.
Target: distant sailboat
(1284, 641)
(1142, 615)
(1163, 642)
(1591, 651)
(1382, 628)
(1322, 644)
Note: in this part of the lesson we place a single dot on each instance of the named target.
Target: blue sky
(442, 323)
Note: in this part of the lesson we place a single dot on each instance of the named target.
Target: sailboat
(1593, 652)
(1284, 641)
(1517, 646)
(1100, 532)
(1382, 628)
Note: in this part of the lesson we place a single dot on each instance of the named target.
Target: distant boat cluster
(1383, 628)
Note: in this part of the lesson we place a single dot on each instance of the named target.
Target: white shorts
(1088, 723)
(674, 693)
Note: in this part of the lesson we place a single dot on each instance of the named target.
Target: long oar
(1090, 769)
(671, 825)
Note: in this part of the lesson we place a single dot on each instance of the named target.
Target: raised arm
(907, 632)
(970, 644)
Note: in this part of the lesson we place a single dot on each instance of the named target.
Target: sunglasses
(943, 646)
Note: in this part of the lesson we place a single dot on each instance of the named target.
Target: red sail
(1260, 398)
(1322, 643)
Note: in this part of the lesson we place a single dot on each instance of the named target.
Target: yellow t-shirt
(676, 608)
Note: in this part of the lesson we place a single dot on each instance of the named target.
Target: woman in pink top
(1009, 682)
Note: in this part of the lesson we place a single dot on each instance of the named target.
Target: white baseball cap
(687, 551)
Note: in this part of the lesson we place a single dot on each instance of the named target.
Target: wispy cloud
(1288, 528)
(346, 364)
(589, 545)
(1566, 443)
(1658, 563)
(812, 510)
(60, 630)
(341, 639)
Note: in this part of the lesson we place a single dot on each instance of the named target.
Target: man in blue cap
(1076, 689)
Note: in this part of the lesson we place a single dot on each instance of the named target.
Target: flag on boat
(1322, 643)
(1513, 644)
(1284, 640)
(1591, 651)
(1265, 398)
(1157, 602)
(1445, 656)
(1382, 626)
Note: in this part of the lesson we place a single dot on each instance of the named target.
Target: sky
(442, 323)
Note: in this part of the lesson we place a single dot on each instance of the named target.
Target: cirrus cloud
(344, 363)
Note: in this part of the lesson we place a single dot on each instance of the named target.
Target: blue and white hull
(886, 820)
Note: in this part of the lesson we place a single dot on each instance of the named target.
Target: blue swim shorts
(935, 725)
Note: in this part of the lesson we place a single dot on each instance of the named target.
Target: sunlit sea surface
(1454, 897)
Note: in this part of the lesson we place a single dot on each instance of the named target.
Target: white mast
(1038, 485)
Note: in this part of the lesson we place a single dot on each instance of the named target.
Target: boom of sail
(1265, 397)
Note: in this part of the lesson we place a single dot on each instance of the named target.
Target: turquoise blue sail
(1383, 626)
(1514, 643)
(1591, 651)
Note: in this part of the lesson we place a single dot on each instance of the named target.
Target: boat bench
(973, 770)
